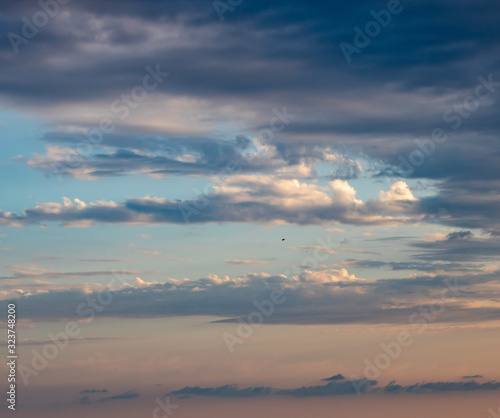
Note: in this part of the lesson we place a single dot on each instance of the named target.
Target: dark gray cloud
(335, 377)
(330, 389)
(233, 391)
(94, 391)
(226, 391)
(459, 247)
(432, 387)
(337, 388)
(302, 56)
(122, 396)
(467, 203)
(459, 235)
(91, 393)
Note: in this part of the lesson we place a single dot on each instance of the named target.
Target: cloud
(254, 199)
(148, 252)
(119, 155)
(459, 247)
(432, 387)
(331, 296)
(104, 260)
(37, 272)
(413, 265)
(182, 128)
(330, 276)
(233, 391)
(335, 377)
(399, 192)
(466, 203)
(336, 388)
(94, 391)
(30, 341)
(86, 400)
(459, 235)
(330, 389)
(227, 391)
(247, 262)
(123, 396)
(315, 248)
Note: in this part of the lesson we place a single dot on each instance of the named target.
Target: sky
(234, 207)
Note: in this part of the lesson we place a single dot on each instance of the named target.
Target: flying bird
(282, 239)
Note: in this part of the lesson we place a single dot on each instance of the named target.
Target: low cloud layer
(332, 296)
(337, 388)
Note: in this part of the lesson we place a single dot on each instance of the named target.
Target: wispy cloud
(247, 262)
(38, 272)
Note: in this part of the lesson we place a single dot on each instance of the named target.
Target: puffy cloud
(330, 276)
(398, 192)
(250, 198)
(139, 283)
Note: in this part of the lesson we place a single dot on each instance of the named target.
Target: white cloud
(243, 198)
